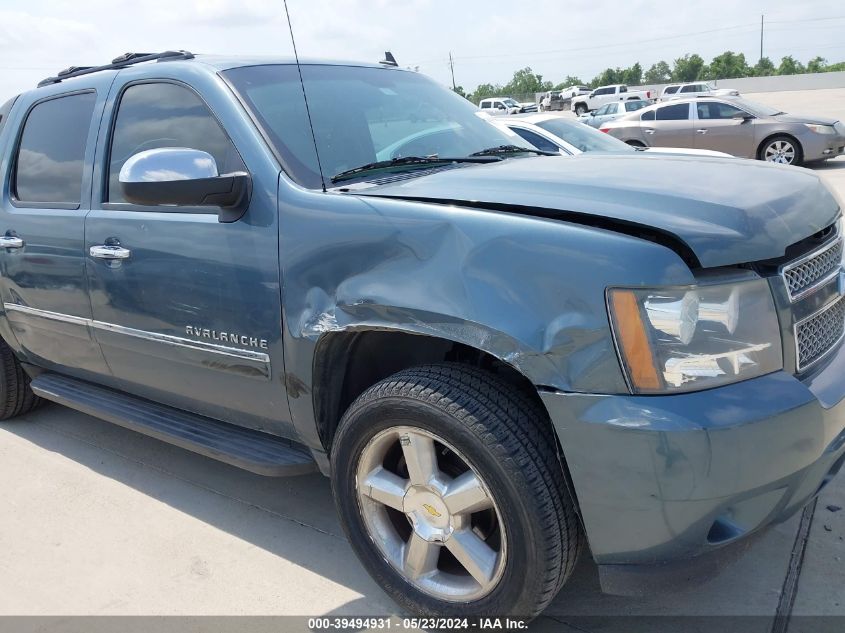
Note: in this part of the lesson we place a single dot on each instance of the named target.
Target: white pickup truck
(606, 94)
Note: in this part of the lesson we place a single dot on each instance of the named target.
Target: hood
(803, 118)
(723, 211)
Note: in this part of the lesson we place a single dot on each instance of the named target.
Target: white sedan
(554, 133)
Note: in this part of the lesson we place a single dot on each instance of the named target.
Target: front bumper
(822, 146)
(665, 479)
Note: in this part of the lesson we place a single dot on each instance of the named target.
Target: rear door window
(611, 108)
(676, 112)
(51, 153)
(633, 106)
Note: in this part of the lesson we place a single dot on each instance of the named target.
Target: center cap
(428, 514)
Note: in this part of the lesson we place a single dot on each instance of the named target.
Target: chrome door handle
(701, 131)
(106, 251)
(648, 131)
(10, 241)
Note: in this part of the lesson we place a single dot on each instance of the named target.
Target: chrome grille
(816, 335)
(811, 271)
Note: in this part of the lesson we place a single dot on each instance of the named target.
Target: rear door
(191, 316)
(720, 126)
(672, 127)
(46, 175)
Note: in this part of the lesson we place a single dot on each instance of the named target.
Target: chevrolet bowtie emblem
(431, 510)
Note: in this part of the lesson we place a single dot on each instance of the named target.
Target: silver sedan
(736, 126)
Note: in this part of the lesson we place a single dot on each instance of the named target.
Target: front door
(721, 127)
(187, 309)
(45, 170)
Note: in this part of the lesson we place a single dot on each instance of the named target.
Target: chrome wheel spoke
(437, 509)
(466, 494)
(419, 556)
(420, 457)
(478, 558)
(383, 486)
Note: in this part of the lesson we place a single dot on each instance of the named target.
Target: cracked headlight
(687, 339)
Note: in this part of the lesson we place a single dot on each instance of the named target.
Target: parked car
(606, 94)
(553, 133)
(528, 106)
(499, 358)
(611, 111)
(678, 91)
(496, 106)
(736, 126)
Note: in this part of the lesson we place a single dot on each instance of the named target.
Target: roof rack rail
(127, 59)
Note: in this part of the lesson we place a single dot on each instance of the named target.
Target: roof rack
(127, 59)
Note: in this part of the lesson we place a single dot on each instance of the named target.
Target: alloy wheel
(430, 514)
(780, 151)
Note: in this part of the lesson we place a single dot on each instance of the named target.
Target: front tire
(580, 109)
(16, 398)
(450, 490)
(781, 149)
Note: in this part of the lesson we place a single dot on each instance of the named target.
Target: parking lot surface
(100, 520)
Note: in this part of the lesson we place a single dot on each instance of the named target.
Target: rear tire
(526, 533)
(16, 398)
(580, 109)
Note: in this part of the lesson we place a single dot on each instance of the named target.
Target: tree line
(728, 65)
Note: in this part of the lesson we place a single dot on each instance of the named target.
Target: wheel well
(777, 134)
(348, 363)
(634, 143)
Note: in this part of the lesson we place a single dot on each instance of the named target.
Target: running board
(251, 450)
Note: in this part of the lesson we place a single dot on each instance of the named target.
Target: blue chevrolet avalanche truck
(500, 358)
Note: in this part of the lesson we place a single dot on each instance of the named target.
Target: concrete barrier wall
(750, 85)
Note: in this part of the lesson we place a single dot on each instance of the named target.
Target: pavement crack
(197, 484)
(793, 572)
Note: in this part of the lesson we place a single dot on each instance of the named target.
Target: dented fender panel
(527, 290)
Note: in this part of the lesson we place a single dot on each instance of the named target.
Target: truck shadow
(294, 518)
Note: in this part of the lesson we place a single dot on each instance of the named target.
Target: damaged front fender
(528, 291)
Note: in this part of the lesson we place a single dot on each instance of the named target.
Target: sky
(489, 39)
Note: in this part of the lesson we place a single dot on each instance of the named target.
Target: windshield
(360, 116)
(509, 102)
(584, 137)
(757, 109)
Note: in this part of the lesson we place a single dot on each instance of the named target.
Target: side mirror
(179, 176)
(742, 117)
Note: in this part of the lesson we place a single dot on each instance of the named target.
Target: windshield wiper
(410, 161)
(511, 149)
